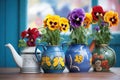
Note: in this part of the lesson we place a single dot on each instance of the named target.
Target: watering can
(27, 61)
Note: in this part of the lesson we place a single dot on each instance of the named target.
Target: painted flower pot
(78, 58)
(103, 57)
(52, 59)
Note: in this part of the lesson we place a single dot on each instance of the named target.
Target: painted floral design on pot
(58, 61)
(78, 58)
(46, 61)
(103, 57)
(52, 59)
(55, 63)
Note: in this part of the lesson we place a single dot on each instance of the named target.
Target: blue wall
(12, 22)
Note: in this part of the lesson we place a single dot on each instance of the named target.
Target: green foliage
(79, 35)
(22, 43)
(103, 36)
(51, 37)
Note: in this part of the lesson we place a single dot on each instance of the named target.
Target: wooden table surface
(14, 74)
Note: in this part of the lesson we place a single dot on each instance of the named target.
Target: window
(38, 9)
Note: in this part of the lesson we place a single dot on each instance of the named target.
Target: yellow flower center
(77, 19)
(97, 14)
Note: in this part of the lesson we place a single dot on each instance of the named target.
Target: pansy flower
(87, 20)
(76, 17)
(97, 11)
(24, 34)
(45, 20)
(31, 42)
(101, 56)
(91, 61)
(54, 25)
(104, 63)
(78, 58)
(62, 61)
(53, 22)
(46, 60)
(97, 28)
(98, 68)
(31, 35)
(97, 63)
(57, 61)
(112, 18)
(64, 25)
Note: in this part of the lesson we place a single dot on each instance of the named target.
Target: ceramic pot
(78, 58)
(52, 59)
(103, 57)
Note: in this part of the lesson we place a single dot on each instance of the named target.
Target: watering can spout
(16, 56)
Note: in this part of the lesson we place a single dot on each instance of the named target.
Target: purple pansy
(103, 24)
(97, 28)
(76, 17)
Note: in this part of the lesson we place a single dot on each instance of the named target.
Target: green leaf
(51, 37)
(22, 43)
(79, 36)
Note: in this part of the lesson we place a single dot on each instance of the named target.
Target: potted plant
(29, 38)
(53, 57)
(26, 61)
(103, 57)
(78, 55)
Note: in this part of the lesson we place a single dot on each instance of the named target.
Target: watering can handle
(38, 59)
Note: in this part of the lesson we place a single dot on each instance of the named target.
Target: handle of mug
(64, 45)
(38, 59)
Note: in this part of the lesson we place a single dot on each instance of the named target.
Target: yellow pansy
(87, 20)
(61, 60)
(45, 20)
(58, 60)
(91, 61)
(46, 60)
(64, 24)
(52, 22)
(112, 18)
(78, 58)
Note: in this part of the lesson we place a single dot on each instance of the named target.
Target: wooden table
(13, 74)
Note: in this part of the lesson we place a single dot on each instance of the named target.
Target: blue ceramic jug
(52, 59)
(78, 58)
